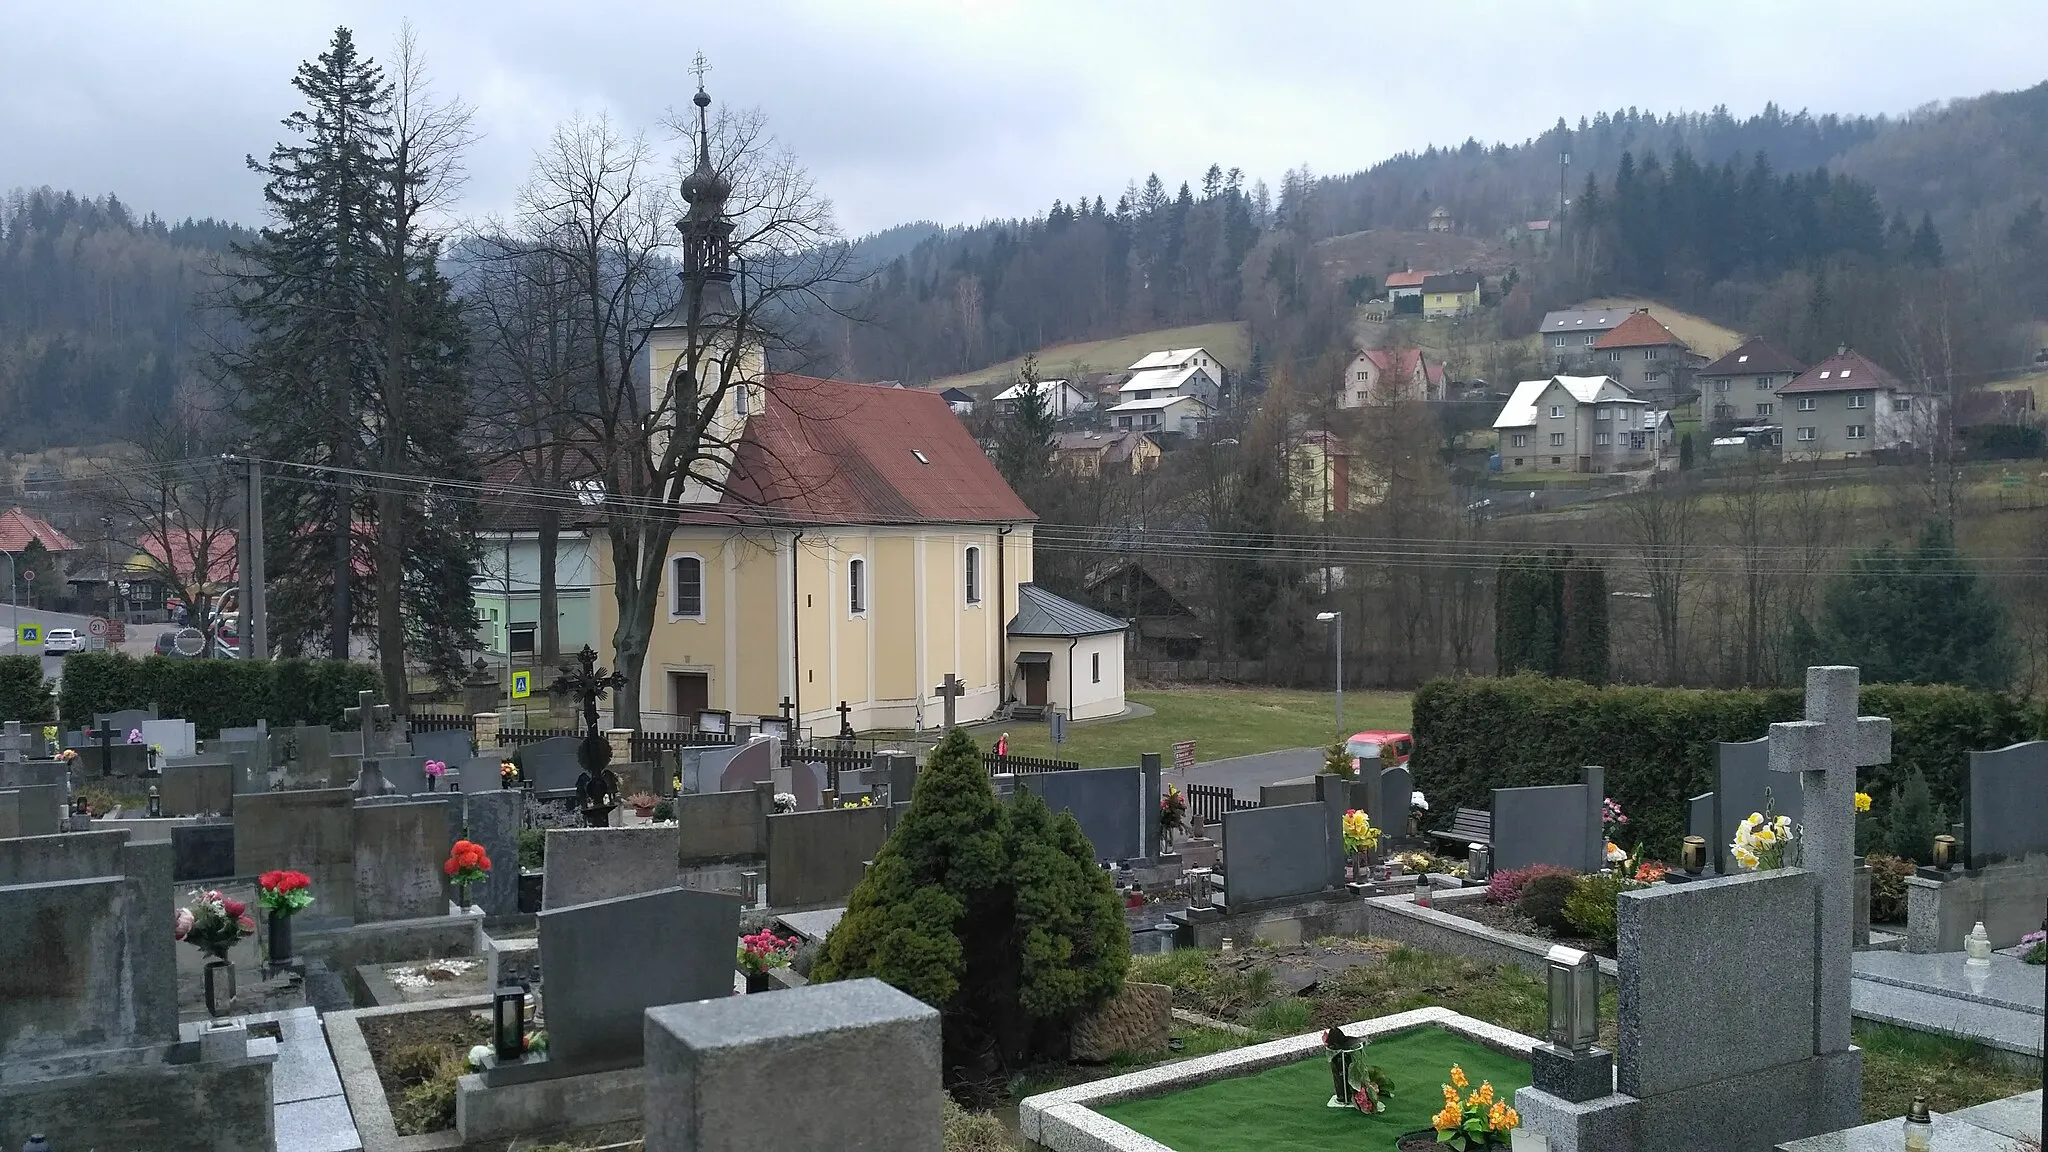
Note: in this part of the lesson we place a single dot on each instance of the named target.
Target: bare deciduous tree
(184, 503)
(1660, 526)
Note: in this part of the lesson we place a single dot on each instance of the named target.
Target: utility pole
(255, 623)
(344, 568)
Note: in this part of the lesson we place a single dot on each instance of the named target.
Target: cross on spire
(1825, 749)
(699, 66)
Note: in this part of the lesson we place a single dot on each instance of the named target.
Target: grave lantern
(1944, 851)
(156, 803)
(1693, 857)
(1574, 998)
(1478, 861)
(508, 1022)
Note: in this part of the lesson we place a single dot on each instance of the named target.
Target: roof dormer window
(921, 457)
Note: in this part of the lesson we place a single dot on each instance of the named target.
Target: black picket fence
(441, 722)
(1208, 802)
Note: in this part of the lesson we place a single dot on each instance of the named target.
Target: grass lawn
(1899, 1064)
(1282, 1107)
(1226, 341)
(1221, 721)
(1700, 334)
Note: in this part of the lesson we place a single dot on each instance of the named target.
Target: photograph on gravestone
(609, 961)
(1108, 803)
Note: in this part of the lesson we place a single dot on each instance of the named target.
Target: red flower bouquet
(467, 864)
(284, 892)
(213, 923)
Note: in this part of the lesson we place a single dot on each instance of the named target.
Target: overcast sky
(958, 111)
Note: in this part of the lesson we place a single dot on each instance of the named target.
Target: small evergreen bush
(1543, 899)
(1593, 908)
(1912, 821)
(1506, 887)
(1888, 888)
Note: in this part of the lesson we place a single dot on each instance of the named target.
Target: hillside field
(1701, 335)
(1225, 340)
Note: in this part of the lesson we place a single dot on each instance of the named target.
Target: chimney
(1841, 349)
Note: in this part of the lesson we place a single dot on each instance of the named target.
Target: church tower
(708, 319)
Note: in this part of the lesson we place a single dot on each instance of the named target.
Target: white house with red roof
(1846, 405)
(1391, 375)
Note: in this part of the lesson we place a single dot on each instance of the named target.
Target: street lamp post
(14, 595)
(1337, 618)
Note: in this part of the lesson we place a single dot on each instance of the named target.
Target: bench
(1468, 826)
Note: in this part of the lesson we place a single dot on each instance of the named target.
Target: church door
(1035, 676)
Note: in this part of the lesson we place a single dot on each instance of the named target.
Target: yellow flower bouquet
(1475, 1120)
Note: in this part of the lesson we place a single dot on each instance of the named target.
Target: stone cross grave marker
(14, 743)
(1825, 749)
(948, 692)
(380, 732)
(845, 711)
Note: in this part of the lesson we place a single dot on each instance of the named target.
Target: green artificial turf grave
(1283, 1107)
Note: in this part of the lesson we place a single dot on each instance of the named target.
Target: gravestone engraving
(609, 961)
(398, 853)
(2008, 797)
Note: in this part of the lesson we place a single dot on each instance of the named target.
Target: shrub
(1593, 907)
(1888, 888)
(997, 916)
(213, 694)
(1506, 887)
(1911, 821)
(966, 1131)
(24, 694)
(1476, 734)
(533, 847)
(1543, 899)
(429, 1105)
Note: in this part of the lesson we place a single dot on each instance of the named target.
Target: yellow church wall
(893, 616)
(942, 612)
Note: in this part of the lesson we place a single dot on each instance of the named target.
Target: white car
(63, 640)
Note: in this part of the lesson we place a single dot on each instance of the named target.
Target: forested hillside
(97, 322)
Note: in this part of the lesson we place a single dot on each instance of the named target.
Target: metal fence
(649, 746)
(1208, 803)
(441, 722)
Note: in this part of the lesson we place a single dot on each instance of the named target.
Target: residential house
(506, 589)
(1537, 232)
(1405, 285)
(1579, 424)
(1062, 397)
(1325, 477)
(862, 547)
(1848, 406)
(1069, 658)
(19, 529)
(1643, 356)
(1391, 375)
(1450, 294)
(1743, 385)
(1174, 372)
(1091, 453)
(959, 400)
(1155, 600)
(1441, 220)
(207, 562)
(1569, 335)
(1185, 415)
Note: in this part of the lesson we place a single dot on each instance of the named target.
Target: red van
(1392, 748)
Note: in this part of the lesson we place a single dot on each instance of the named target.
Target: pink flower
(435, 767)
(184, 922)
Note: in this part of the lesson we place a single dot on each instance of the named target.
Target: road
(1244, 774)
(141, 638)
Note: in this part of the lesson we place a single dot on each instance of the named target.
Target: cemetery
(409, 934)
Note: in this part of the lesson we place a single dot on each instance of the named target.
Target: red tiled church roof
(17, 528)
(830, 451)
(1640, 330)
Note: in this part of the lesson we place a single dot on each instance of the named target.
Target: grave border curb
(363, 1089)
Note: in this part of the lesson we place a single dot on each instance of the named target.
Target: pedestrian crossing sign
(522, 685)
(28, 635)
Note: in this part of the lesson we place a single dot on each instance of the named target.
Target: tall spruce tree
(1024, 440)
(1918, 617)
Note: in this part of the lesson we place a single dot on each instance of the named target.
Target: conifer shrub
(1543, 901)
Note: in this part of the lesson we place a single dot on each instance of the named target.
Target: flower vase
(280, 937)
(759, 982)
(462, 897)
(433, 783)
(220, 985)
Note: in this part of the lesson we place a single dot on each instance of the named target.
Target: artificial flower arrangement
(467, 864)
(533, 1043)
(1651, 871)
(284, 892)
(2036, 945)
(1863, 802)
(435, 769)
(508, 773)
(1478, 1120)
(213, 923)
(1612, 821)
(1359, 834)
(135, 735)
(1763, 839)
(764, 950)
(1173, 809)
(864, 802)
(69, 755)
(1359, 1085)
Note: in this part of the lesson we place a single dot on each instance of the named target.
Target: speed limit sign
(97, 627)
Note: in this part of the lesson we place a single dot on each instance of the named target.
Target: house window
(1557, 459)
(1518, 461)
(856, 586)
(1591, 337)
(1777, 436)
(1614, 356)
(1557, 439)
(1766, 409)
(1724, 411)
(1855, 431)
(1902, 403)
(1652, 377)
(685, 588)
(1808, 403)
(1521, 440)
(1095, 667)
(1653, 353)
(1557, 411)
(1857, 399)
(1720, 385)
(742, 400)
(1764, 383)
(1603, 414)
(1557, 341)
(520, 639)
(1123, 421)
(974, 575)
(1808, 435)
(1600, 438)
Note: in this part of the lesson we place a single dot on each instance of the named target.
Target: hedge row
(24, 694)
(213, 694)
(1657, 744)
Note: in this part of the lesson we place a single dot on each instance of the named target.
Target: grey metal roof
(1040, 613)
(1584, 319)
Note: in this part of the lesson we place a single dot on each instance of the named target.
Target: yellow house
(1091, 453)
(1449, 294)
(864, 548)
(1326, 477)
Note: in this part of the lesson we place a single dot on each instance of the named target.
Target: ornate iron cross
(589, 683)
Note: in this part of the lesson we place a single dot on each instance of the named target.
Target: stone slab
(1544, 825)
(869, 1049)
(407, 775)
(38, 810)
(190, 787)
(310, 831)
(497, 1112)
(171, 737)
(151, 953)
(1744, 783)
(494, 819)
(716, 826)
(1755, 935)
(451, 747)
(10, 815)
(1950, 1135)
(588, 864)
(2005, 983)
(816, 858)
(399, 849)
(202, 852)
(609, 961)
(2008, 794)
(1270, 853)
(63, 983)
(813, 926)
(2002, 1029)
(551, 765)
(2018, 1117)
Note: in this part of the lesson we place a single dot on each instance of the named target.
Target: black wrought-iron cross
(104, 734)
(589, 683)
(845, 720)
(788, 706)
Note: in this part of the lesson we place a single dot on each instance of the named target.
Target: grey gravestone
(10, 815)
(1397, 796)
(399, 849)
(807, 784)
(406, 774)
(899, 772)
(816, 858)
(1107, 802)
(1148, 803)
(609, 961)
(551, 765)
(1742, 774)
(171, 737)
(24, 773)
(1300, 790)
(1271, 853)
(202, 852)
(871, 1050)
(261, 731)
(251, 759)
(62, 978)
(450, 747)
(1699, 820)
(345, 743)
(310, 748)
(39, 810)
(493, 819)
(2008, 813)
(743, 766)
(370, 782)
(1552, 824)
(197, 788)
(590, 864)
(124, 721)
(309, 830)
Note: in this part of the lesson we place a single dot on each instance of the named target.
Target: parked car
(63, 640)
(1392, 748)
